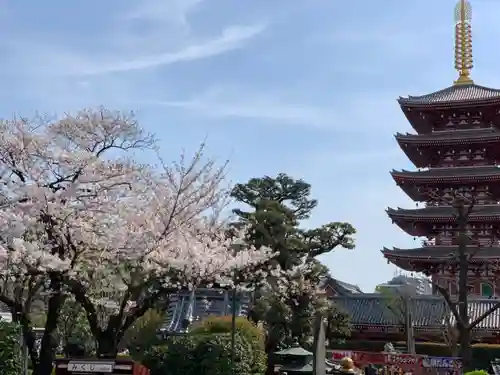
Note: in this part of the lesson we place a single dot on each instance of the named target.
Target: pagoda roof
(441, 253)
(451, 137)
(456, 94)
(444, 213)
(449, 174)
(428, 312)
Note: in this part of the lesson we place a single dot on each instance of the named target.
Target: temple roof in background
(186, 308)
(428, 312)
(340, 287)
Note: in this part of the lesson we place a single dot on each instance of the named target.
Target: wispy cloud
(173, 11)
(244, 104)
(154, 34)
(231, 38)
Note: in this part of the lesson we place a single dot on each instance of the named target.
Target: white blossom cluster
(73, 201)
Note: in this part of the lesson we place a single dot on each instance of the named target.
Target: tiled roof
(185, 307)
(339, 287)
(454, 94)
(445, 174)
(346, 288)
(450, 136)
(479, 308)
(440, 253)
(375, 309)
(428, 312)
(444, 212)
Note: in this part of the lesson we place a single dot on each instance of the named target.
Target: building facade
(407, 284)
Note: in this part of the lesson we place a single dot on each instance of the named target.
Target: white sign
(91, 367)
(6, 317)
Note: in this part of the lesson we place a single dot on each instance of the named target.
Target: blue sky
(303, 87)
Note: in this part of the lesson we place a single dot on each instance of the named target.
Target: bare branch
(483, 316)
(452, 305)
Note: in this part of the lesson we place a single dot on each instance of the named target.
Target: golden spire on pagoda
(463, 42)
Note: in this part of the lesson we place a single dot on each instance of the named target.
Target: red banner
(402, 360)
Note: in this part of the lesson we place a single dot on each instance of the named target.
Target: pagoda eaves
(461, 175)
(456, 96)
(450, 137)
(444, 213)
(424, 111)
(419, 184)
(428, 221)
(428, 258)
(424, 150)
(437, 254)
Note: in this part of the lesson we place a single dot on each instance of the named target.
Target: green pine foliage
(275, 210)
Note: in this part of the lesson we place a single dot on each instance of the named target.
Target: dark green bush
(223, 324)
(208, 354)
(10, 349)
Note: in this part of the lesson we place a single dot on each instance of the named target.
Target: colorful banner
(396, 359)
(441, 362)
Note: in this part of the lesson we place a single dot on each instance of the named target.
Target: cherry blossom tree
(79, 215)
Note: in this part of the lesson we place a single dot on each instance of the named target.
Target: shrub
(477, 372)
(214, 325)
(10, 349)
(143, 334)
(207, 354)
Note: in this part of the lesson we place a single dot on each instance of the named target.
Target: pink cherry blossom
(75, 202)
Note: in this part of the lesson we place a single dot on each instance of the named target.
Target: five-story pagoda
(456, 148)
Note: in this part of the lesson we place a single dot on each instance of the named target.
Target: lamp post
(233, 330)
(236, 246)
(407, 296)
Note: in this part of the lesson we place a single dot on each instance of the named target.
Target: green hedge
(10, 349)
(223, 324)
(477, 372)
(205, 354)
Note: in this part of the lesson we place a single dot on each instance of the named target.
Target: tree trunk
(270, 366)
(45, 362)
(463, 289)
(48, 344)
(466, 350)
(270, 349)
(107, 344)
